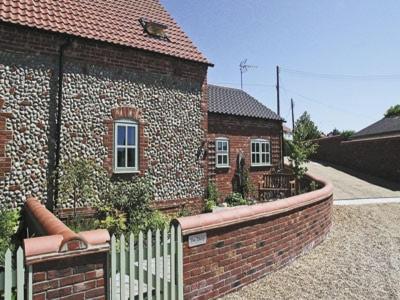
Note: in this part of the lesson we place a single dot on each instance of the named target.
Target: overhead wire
(328, 76)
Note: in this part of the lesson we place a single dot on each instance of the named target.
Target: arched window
(126, 148)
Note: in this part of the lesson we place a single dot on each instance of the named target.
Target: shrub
(126, 208)
(155, 220)
(9, 222)
(111, 219)
(212, 197)
(236, 199)
(81, 181)
(347, 133)
(247, 187)
(301, 148)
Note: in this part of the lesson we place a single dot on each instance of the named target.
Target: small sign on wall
(197, 239)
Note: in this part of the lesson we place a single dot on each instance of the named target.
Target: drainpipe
(282, 148)
(61, 61)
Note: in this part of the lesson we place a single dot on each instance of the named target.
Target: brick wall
(80, 277)
(237, 254)
(240, 131)
(377, 157)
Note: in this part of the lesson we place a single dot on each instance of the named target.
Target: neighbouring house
(287, 133)
(117, 82)
(384, 128)
(240, 128)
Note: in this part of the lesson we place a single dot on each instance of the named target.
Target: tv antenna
(243, 69)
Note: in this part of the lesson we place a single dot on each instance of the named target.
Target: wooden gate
(149, 266)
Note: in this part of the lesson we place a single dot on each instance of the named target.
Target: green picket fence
(147, 267)
(12, 281)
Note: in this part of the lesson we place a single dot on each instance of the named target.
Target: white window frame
(126, 123)
(222, 153)
(260, 153)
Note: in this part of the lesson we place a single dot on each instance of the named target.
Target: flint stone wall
(98, 77)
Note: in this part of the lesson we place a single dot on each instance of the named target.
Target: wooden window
(126, 149)
(260, 153)
(222, 152)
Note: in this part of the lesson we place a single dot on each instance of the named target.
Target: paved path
(359, 260)
(351, 185)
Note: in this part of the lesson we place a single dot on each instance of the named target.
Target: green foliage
(287, 147)
(110, 218)
(9, 223)
(309, 131)
(212, 197)
(247, 187)
(209, 205)
(122, 206)
(183, 212)
(393, 111)
(335, 131)
(81, 181)
(155, 220)
(302, 148)
(347, 133)
(236, 199)
(78, 224)
(126, 207)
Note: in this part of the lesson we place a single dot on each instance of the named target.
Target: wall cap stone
(58, 238)
(208, 221)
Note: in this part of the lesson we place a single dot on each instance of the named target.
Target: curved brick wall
(246, 243)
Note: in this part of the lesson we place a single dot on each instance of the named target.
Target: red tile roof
(113, 21)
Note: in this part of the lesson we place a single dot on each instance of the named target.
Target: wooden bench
(276, 184)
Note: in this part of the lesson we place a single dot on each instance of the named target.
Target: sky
(339, 59)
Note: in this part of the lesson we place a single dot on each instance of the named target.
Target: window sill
(222, 167)
(126, 171)
(257, 166)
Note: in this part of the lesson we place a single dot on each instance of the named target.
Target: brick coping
(204, 222)
(58, 239)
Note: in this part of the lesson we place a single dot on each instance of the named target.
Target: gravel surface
(360, 259)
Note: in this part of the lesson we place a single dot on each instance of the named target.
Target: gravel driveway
(359, 260)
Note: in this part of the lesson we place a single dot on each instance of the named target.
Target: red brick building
(240, 127)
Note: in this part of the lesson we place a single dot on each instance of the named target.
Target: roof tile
(232, 101)
(114, 21)
(382, 127)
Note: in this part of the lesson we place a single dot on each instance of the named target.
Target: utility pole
(292, 106)
(243, 69)
(277, 92)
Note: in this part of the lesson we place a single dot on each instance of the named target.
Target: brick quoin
(238, 254)
(5, 137)
(240, 131)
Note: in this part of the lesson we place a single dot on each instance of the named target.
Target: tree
(334, 132)
(347, 133)
(301, 146)
(393, 111)
(309, 131)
